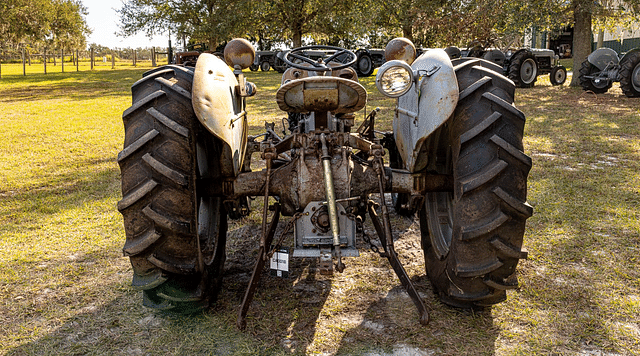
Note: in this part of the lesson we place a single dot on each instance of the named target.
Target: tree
(23, 20)
(211, 21)
(266, 22)
(461, 23)
(318, 19)
(56, 23)
(68, 28)
(407, 18)
(586, 13)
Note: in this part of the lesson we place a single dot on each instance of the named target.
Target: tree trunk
(407, 32)
(297, 36)
(600, 38)
(213, 44)
(581, 38)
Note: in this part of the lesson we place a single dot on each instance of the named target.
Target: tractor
(603, 67)
(455, 158)
(523, 65)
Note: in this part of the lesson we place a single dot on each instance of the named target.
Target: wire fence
(48, 61)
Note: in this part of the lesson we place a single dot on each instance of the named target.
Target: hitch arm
(387, 243)
(386, 239)
(241, 323)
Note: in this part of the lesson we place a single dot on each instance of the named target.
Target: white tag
(280, 263)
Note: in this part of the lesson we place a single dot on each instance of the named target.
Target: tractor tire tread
(159, 204)
(489, 198)
(627, 67)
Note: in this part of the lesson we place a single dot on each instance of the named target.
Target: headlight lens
(394, 78)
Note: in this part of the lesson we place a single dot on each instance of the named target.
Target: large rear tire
(523, 69)
(175, 236)
(597, 86)
(630, 75)
(472, 237)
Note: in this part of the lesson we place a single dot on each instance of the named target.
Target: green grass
(65, 287)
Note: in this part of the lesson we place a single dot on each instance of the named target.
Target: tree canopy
(429, 23)
(56, 23)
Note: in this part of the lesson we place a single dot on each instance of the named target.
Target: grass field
(64, 284)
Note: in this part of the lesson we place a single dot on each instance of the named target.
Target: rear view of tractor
(455, 157)
(603, 67)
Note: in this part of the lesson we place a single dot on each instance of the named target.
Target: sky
(103, 20)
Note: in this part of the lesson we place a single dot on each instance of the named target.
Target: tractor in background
(603, 67)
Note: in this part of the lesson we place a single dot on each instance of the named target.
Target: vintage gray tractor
(457, 157)
(603, 67)
(524, 65)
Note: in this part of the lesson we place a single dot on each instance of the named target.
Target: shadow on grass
(581, 278)
(73, 86)
(87, 307)
(390, 327)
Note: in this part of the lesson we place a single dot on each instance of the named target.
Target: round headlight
(394, 78)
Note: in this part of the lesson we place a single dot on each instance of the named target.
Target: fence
(619, 46)
(66, 61)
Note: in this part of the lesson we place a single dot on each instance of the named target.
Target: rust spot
(239, 52)
(400, 48)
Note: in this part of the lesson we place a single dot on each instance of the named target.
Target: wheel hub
(528, 71)
(635, 77)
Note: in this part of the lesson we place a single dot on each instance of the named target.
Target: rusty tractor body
(455, 158)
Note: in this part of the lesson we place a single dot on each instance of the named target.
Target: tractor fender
(603, 56)
(220, 110)
(425, 107)
(510, 55)
(629, 53)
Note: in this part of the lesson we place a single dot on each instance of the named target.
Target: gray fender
(425, 107)
(603, 56)
(220, 110)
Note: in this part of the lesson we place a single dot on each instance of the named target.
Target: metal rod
(241, 322)
(331, 200)
(386, 238)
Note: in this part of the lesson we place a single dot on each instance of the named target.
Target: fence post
(44, 57)
(113, 60)
(92, 58)
(24, 68)
(62, 60)
(135, 58)
(77, 62)
(153, 56)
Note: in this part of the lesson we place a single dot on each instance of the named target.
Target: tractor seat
(321, 94)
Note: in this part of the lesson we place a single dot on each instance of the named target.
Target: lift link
(331, 201)
(386, 239)
(265, 243)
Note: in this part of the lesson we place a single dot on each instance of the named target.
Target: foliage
(610, 14)
(56, 23)
(428, 23)
(68, 27)
(211, 21)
